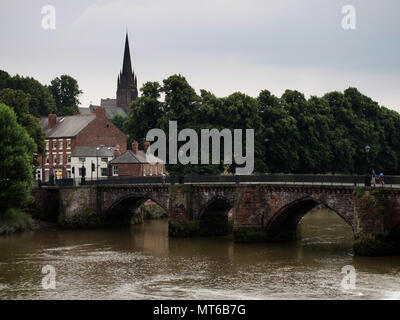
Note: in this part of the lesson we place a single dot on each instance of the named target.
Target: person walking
(381, 178)
(373, 178)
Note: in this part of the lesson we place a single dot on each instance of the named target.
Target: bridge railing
(301, 179)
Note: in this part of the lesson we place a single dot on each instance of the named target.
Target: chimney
(101, 112)
(52, 120)
(135, 147)
(146, 146)
(117, 151)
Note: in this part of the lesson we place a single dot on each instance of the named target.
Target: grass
(14, 220)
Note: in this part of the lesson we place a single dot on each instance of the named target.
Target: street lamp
(367, 177)
(97, 165)
(180, 167)
(266, 153)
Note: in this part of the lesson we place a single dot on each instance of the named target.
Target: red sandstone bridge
(265, 208)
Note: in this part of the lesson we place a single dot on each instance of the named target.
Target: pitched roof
(130, 157)
(111, 111)
(68, 126)
(91, 151)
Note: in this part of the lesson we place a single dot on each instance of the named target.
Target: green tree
(16, 157)
(119, 121)
(41, 102)
(65, 91)
(146, 112)
(19, 102)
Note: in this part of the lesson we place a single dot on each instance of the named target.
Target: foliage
(19, 102)
(65, 91)
(41, 101)
(293, 134)
(16, 158)
(14, 220)
(119, 121)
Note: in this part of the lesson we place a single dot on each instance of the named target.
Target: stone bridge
(255, 212)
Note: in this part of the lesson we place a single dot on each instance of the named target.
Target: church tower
(127, 82)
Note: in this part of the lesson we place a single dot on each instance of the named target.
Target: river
(141, 262)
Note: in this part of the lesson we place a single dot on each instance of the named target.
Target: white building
(90, 157)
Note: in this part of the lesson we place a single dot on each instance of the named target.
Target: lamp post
(180, 167)
(266, 153)
(97, 164)
(367, 177)
(83, 180)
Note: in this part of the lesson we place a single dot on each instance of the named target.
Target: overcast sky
(219, 45)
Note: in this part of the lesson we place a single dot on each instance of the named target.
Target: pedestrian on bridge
(381, 179)
(373, 178)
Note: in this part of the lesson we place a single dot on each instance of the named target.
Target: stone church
(126, 90)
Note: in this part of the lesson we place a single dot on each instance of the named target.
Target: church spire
(127, 82)
(127, 66)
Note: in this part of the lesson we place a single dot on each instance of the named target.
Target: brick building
(134, 163)
(64, 134)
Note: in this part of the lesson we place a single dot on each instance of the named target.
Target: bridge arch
(284, 222)
(214, 218)
(125, 207)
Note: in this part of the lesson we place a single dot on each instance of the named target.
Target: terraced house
(64, 134)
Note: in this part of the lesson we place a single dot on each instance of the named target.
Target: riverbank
(14, 220)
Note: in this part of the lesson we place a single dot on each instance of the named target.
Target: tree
(41, 102)
(16, 157)
(65, 91)
(19, 102)
(119, 121)
(146, 113)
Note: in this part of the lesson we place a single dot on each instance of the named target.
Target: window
(60, 158)
(53, 142)
(68, 174)
(54, 158)
(104, 160)
(68, 158)
(47, 160)
(60, 144)
(80, 172)
(47, 144)
(68, 143)
(104, 172)
(82, 159)
(115, 170)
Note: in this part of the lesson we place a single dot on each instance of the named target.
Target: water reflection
(141, 262)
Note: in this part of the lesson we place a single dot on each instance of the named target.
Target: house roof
(130, 157)
(68, 126)
(111, 111)
(91, 151)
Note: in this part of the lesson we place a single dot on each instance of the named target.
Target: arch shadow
(122, 210)
(283, 225)
(214, 217)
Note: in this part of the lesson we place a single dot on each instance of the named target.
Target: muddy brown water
(141, 262)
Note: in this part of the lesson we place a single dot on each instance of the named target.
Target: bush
(14, 220)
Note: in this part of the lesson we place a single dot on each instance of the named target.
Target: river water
(141, 262)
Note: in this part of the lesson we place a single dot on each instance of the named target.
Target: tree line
(293, 134)
(22, 101)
